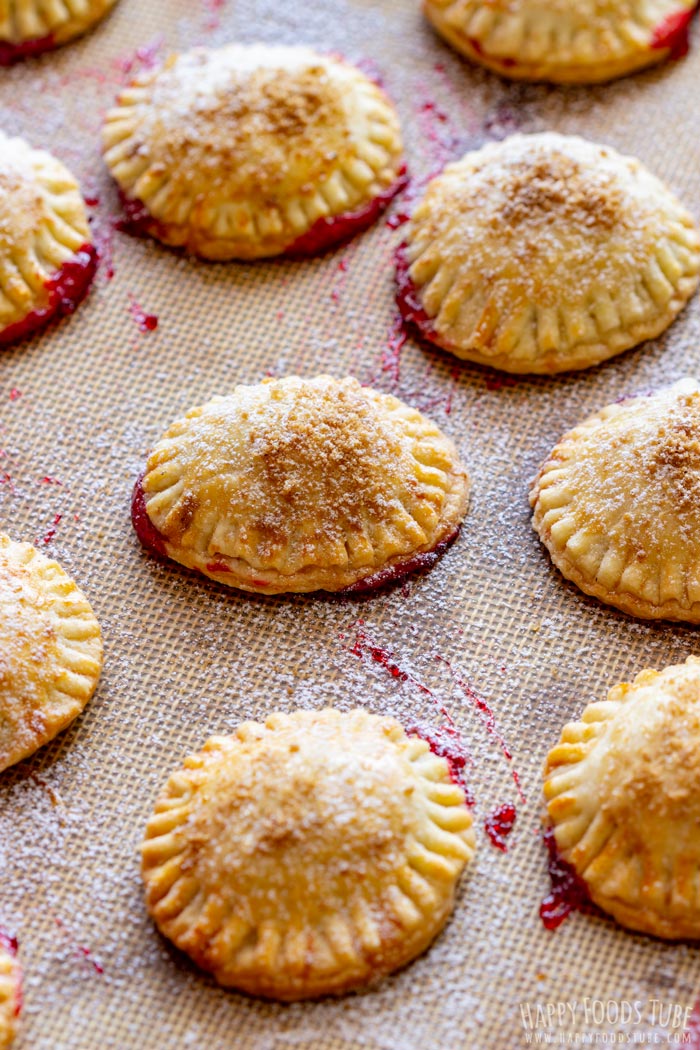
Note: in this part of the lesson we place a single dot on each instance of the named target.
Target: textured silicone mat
(184, 658)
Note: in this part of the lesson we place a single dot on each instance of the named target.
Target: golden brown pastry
(47, 258)
(308, 855)
(623, 794)
(10, 990)
(50, 650)
(252, 150)
(545, 253)
(30, 27)
(302, 485)
(568, 42)
(617, 504)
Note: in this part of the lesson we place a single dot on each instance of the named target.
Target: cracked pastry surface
(544, 253)
(622, 789)
(284, 148)
(617, 504)
(29, 27)
(10, 990)
(47, 259)
(301, 485)
(566, 41)
(50, 650)
(307, 855)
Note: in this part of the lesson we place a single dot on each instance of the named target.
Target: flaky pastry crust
(237, 153)
(545, 253)
(617, 504)
(308, 855)
(48, 22)
(623, 794)
(50, 650)
(43, 228)
(302, 485)
(10, 991)
(564, 41)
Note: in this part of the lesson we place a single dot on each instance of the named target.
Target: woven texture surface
(184, 658)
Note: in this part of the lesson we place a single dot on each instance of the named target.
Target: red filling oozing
(11, 945)
(445, 742)
(419, 563)
(499, 824)
(11, 53)
(407, 299)
(144, 527)
(66, 290)
(672, 33)
(568, 891)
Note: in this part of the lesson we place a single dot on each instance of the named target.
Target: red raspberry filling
(408, 300)
(673, 32)
(569, 892)
(11, 53)
(155, 542)
(66, 290)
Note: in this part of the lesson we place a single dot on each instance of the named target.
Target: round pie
(308, 855)
(568, 42)
(617, 504)
(544, 253)
(251, 150)
(50, 650)
(47, 258)
(302, 485)
(10, 990)
(30, 27)
(623, 794)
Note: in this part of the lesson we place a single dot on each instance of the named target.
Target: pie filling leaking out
(31, 27)
(65, 291)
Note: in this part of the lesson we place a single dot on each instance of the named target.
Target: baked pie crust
(308, 855)
(50, 650)
(47, 259)
(30, 27)
(617, 504)
(544, 253)
(10, 990)
(302, 485)
(567, 42)
(250, 150)
(623, 794)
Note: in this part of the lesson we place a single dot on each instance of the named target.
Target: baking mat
(79, 408)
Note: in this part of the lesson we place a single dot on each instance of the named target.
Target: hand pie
(251, 151)
(567, 43)
(617, 504)
(302, 485)
(623, 793)
(50, 650)
(308, 855)
(30, 27)
(47, 259)
(545, 253)
(10, 990)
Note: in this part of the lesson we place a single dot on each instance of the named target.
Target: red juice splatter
(673, 33)
(213, 9)
(66, 290)
(497, 382)
(6, 479)
(146, 322)
(499, 824)
(568, 891)
(50, 532)
(488, 717)
(80, 949)
(49, 481)
(390, 362)
(693, 1028)
(143, 59)
(15, 394)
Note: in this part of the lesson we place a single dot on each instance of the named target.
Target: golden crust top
(623, 793)
(307, 855)
(10, 993)
(50, 650)
(236, 152)
(563, 41)
(23, 20)
(303, 484)
(547, 252)
(43, 223)
(617, 504)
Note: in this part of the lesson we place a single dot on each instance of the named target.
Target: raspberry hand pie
(30, 27)
(617, 504)
(623, 794)
(544, 253)
(10, 990)
(250, 151)
(47, 259)
(308, 855)
(567, 43)
(302, 485)
(50, 651)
